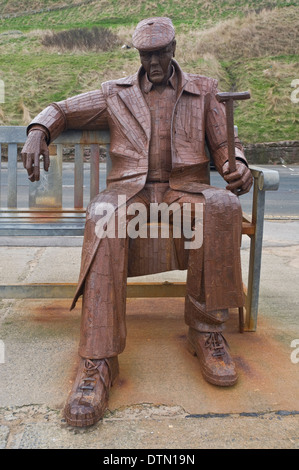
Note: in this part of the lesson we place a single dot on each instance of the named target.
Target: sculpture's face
(157, 64)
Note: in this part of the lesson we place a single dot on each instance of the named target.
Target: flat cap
(153, 33)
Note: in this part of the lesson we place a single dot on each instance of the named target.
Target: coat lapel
(131, 95)
(133, 99)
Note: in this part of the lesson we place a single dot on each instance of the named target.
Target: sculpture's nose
(154, 59)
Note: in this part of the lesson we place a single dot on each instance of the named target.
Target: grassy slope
(122, 12)
(270, 115)
(213, 39)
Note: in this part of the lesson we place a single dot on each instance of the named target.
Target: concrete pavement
(160, 400)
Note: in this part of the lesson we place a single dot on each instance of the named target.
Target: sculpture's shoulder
(201, 83)
(113, 87)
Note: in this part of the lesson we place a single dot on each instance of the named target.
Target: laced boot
(212, 350)
(88, 399)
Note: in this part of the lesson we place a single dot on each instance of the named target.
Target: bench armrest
(267, 180)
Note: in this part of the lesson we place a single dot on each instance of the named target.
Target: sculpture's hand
(240, 181)
(34, 147)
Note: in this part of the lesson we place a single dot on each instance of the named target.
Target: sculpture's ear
(174, 47)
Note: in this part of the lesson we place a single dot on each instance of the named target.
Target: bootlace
(92, 370)
(215, 342)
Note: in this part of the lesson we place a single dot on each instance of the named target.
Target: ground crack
(32, 264)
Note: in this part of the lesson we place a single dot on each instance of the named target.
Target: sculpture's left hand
(239, 181)
(35, 146)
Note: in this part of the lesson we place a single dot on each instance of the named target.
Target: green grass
(193, 13)
(37, 80)
(213, 39)
(270, 114)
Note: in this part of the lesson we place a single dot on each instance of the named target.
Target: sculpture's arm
(86, 111)
(241, 179)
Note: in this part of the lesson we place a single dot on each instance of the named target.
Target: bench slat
(12, 176)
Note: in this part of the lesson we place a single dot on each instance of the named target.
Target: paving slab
(150, 427)
(160, 399)
(41, 340)
(43, 259)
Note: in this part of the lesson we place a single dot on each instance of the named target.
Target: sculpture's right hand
(34, 147)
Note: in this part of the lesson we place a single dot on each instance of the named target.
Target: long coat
(119, 106)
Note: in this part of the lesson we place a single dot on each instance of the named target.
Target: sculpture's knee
(99, 207)
(225, 199)
(235, 204)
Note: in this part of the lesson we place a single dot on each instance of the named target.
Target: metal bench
(45, 214)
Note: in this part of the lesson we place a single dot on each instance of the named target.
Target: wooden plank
(12, 134)
(12, 176)
(94, 170)
(248, 228)
(78, 184)
(18, 135)
(67, 290)
(0, 172)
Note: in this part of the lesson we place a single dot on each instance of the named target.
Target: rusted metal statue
(159, 120)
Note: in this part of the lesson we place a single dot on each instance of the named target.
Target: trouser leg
(218, 265)
(103, 323)
(197, 315)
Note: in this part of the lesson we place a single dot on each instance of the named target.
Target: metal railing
(46, 215)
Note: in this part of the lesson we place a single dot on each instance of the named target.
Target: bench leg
(255, 259)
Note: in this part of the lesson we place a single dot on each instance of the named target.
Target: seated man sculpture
(159, 120)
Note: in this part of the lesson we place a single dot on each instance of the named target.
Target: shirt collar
(147, 86)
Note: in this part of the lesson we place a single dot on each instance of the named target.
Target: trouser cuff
(198, 318)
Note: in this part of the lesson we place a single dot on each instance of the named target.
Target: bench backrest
(47, 193)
